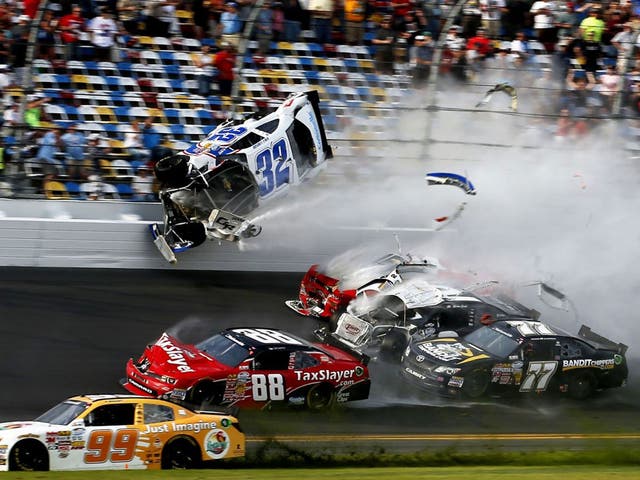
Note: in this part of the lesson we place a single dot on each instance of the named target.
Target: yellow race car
(100, 432)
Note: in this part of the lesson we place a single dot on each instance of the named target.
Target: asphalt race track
(70, 331)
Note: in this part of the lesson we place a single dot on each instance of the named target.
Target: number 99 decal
(271, 163)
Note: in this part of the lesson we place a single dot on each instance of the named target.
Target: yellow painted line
(446, 437)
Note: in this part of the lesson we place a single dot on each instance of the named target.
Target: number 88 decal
(267, 387)
(273, 178)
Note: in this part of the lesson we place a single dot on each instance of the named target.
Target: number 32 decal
(271, 163)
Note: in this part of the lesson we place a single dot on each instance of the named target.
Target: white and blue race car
(208, 189)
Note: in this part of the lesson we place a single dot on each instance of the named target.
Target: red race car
(249, 367)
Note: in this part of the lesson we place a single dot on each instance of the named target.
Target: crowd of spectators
(579, 59)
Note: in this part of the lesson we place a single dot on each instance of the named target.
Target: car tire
(205, 394)
(172, 171)
(581, 385)
(320, 397)
(29, 456)
(393, 345)
(475, 383)
(181, 454)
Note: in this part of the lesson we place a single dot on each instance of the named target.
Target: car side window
(109, 415)
(569, 348)
(538, 350)
(304, 360)
(154, 413)
(272, 360)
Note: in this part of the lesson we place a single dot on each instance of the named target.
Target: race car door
(111, 438)
(269, 378)
(539, 364)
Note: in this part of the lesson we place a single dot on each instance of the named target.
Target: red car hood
(171, 357)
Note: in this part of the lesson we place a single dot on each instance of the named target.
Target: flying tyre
(172, 171)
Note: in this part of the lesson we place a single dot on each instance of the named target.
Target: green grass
(573, 472)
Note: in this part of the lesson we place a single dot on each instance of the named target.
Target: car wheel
(581, 385)
(172, 170)
(393, 345)
(475, 383)
(320, 397)
(205, 394)
(29, 456)
(180, 454)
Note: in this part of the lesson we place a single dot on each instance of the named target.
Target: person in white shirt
(103, 30)
(142, 185)
(491, 15)
(134, 145)
(543, 23)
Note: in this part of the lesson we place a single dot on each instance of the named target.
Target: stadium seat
(122, 168)
(125, 69)
(161, 85)
(55, 190)
(162, 43)
(106, 68)
(123, 114)
(172, 72)
(173, 116)
(91, 68)
(146, 43)
(71, 112)
(55, 112)
(107, 114)
(125, 191)
(96, 82)
(42, 66)
(73, 188)
(74, 67)
(111, 131)
(128, 84)
(166, 57)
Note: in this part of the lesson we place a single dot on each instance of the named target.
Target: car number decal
(107, 445)
(538, 376)
(266, 160)
(267, 387)
(227, 134)
(264, 335)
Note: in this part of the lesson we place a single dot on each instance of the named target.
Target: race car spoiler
(586, 333)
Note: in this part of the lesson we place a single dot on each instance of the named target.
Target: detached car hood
(449, 351)
(170, 356)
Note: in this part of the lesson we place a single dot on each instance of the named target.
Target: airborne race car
(418, 309)
(516, 356)
(249, 367)
(208, 189)
(118, 432)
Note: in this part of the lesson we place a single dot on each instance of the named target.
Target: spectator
(73, 143)
(103, 30)
(130, 14)
(481, 44)
(71, 27)
(623, 42)
(355, 16)
(564, 21)
(155, 26)
(19, 54)
(264, 24)
(96, 189)
(514, 17)
(471, 18)
(97, 149)
(593, 25)
(45, 36)
(383, 41)
(452, 40)
(610, 85)
(5, 48)
(520, 46)
(203, 63)
(152, 141)
(225, 61)
(592, 50)
(6, 79)
(231, 24)
(168, 17)
(33, 112)
(543, 24)
(10, 119)
(277, 25)
(492, 16)
(321, 13)
(134, 144)
(569, 128)
(49, 148)
(422, 57)
(142, 184)
(292, 20)
(580, 85)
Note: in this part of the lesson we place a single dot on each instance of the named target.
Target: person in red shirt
(225, 62)
(71, 26)
(481, 44)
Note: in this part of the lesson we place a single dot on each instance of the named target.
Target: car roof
(260, 338)
(524, 329)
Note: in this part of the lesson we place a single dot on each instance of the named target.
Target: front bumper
(140, 383)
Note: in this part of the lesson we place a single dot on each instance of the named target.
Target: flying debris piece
(501, 87)
(443, 178)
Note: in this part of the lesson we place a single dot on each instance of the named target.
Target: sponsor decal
(455, 382)
(296, 400)
(29, 435)
(324, 374)
(216, 444)
(359, 371)
(196, 427)
(414, 373)
(617, 359)
(447, 351)
(603, 364)
(225, 422)
(351, 329)
(419, 358)
(140, 386)
(11, 426)
(3, 461)
(3, 449)
(342, 397)
(176, 355)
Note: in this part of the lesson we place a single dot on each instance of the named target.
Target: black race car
(416, 310)
(516, 356)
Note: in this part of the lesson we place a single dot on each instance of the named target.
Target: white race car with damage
(208, 189)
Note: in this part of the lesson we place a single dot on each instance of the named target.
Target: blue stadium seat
(177, 85)
(307, 63)
(91, 68)
(312, 76)
(125, 69)
(166, 57)
(113, 83)
(74, 189)
(124, 190)
(63, 81)
(111, 129)
(172, 72)
(122, 114)
(177, 130)
(172, 115)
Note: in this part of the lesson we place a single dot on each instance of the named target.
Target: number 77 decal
(538, 376)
